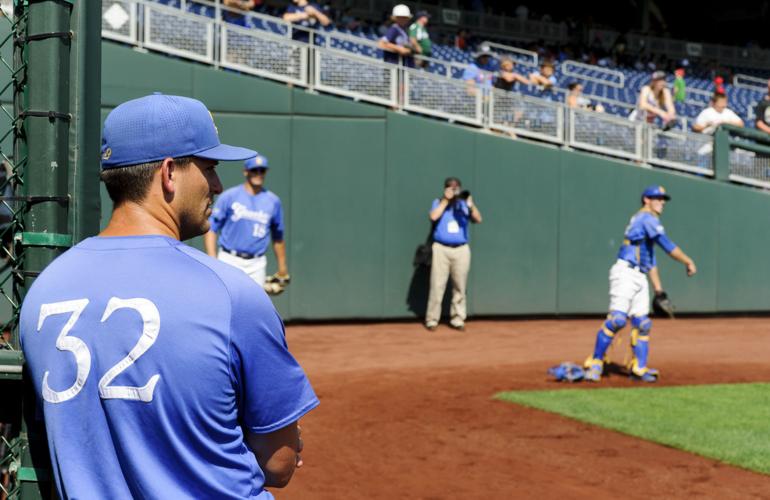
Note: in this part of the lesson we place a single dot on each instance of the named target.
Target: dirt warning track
(407, 413)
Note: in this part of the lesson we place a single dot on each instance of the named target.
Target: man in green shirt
(420, 38)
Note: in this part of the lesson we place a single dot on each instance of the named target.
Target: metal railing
(323, 61)
(343, 73)
(592, 73)
(521, 56)
(607, 134)
(526, 116)
(170, 30)
(448, 98)
(263, 54)
(743, 81)
(686, 151)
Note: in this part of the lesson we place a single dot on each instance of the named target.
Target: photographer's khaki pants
(454, 262)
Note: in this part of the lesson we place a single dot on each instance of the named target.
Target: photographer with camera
(451, 254)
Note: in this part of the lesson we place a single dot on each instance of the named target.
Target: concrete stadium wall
(357, 182)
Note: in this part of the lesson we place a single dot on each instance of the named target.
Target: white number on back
(151, 321)
(151, 326)
(72, 344)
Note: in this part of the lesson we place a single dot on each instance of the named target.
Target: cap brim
(224, 152)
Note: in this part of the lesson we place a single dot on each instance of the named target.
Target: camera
(463, 195)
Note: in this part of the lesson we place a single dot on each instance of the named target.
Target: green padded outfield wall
(357, 182)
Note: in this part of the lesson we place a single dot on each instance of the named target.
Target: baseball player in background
(161, 372)
(246, 217)
(629, 289)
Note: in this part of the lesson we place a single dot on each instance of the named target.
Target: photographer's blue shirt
(149, 359)
(246, 222)
(644, 230)
(452, 227)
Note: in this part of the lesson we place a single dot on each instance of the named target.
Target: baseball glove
(276, 284)
(567, 372)
(662, 305)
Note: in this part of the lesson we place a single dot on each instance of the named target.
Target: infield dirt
(407, 413)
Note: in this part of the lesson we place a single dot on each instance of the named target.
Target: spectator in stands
(419, 36)
(479, 74)
(576, 99)
(395, 44)
(655, 102)
(715, 115)
(234, 16)
(240, 4)
(307, 15)
(680, 86)
(544, 79)
(762, 112)
(461, 39)
(506, 78)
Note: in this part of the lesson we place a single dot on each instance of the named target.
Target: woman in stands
(655, 102)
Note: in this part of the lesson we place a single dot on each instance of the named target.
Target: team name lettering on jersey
(242, 212)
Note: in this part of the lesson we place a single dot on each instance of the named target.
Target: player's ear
(168, 175)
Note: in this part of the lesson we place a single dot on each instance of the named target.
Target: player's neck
(131, 219)
(252, 189)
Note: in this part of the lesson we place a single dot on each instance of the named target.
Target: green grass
(729, 422)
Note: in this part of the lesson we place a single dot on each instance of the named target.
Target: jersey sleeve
(219, 212)
(434, 205)
(272, 388)
(655, 231)
(276, 222)
(391, 34)
(470, 73)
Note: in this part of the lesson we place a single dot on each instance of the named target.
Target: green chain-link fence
(49, 146)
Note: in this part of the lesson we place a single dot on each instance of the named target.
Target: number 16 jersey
(148, 358)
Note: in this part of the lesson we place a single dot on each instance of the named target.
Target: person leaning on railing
(420, 38)
(506, 77)
(762, 112)
(479, 74)
(655, 102)
(307, 15)
(395, 43)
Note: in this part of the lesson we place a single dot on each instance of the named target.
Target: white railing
(685, 151)
(526, 116)
(586, 72)
(606, 134)
(263, 54)
(521, 56)
(448, 98)
(742, 81)
(748, 167)
(119, 20)
(361, 78)
(323, 61)
(169, 30)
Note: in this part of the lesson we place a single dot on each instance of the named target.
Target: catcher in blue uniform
(629, 289)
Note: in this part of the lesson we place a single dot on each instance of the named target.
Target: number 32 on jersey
(64, 342)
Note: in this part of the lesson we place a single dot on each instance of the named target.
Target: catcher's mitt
(276, 284)
(662, 305)
(567, 372)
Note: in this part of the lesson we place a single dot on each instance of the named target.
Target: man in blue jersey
(161, 372)
(246, 217)
(629, 290)
(451, 215)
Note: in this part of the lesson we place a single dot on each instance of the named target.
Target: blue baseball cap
(655, 192)
(259, 161)
(159, 126)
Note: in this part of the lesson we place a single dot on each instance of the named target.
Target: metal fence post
(722, 154)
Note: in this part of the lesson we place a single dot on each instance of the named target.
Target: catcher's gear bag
(569, 372)
(662, 305)
(276, 284)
